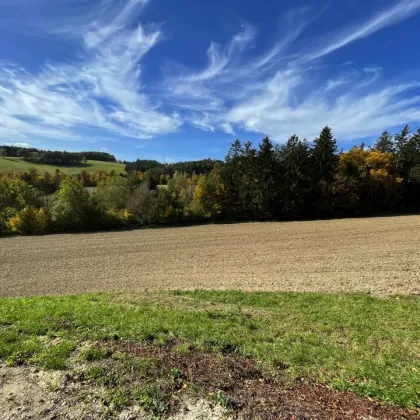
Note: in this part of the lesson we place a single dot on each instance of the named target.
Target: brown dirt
(26, 392)
(254, 395)
(377, 255)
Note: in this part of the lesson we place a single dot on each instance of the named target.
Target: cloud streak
(398, 13)
(279, 91)
(101, 90)
(274, 91)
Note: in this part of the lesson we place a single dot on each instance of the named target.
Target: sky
(181, 80)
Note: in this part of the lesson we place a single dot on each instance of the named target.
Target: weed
(153, 399)
(223, 399)
(96, 353)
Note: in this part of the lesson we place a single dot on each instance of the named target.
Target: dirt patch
(248, 393)
(26, 393)
(220, 386)
(376, 255)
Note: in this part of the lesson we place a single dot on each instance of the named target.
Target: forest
(54, 157)
(298, 180)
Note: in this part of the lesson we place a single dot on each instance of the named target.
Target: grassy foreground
(17, 164)
(351, 341)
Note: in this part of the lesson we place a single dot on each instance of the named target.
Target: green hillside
(17, 164)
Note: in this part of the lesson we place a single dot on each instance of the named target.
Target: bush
(4, 227)
(119, 218)
(30, 221)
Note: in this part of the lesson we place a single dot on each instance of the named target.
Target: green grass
(350, 341)
(17, 164)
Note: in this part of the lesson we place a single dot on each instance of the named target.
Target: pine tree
(385, 143)
(324, 155)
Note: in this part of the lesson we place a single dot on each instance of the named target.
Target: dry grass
(378, 255)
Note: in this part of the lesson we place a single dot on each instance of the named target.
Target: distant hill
(18, 164)
(54, 157)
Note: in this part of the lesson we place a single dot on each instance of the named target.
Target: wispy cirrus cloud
(400, 11)
(101, 89)
(278, 92)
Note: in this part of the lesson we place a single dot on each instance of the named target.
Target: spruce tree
(385, 143)
(401, 139)
(267, 182)
(403, 149)
(324, 155)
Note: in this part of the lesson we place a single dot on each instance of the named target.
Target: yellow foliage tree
(379, 166)
(30, 220)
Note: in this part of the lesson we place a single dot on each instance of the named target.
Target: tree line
(297, 180)
(48, 157)
(159, 173)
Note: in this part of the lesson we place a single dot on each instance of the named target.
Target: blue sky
(178, 80)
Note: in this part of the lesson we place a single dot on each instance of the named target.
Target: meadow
(17, 164)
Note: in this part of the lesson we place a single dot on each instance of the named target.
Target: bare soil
(28, 393)
(254, 395)
(373, 255)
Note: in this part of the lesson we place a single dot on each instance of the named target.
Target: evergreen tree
(385, 143)
(410, 157)
(324, 155)
(402, 138)
(295, 184)
(404, 150)
(267, 173)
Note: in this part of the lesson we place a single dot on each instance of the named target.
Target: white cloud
(402, 10)
(282, 91)
(275, 91)
(100, 90)
(19, 144)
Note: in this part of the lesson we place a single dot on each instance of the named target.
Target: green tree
(3, 152)
(401, 139)
(408, 147)
(74, 208)
(241, 180)
(267, 172)
(325, 155)
(143, 203)
(295, 184)
(15, 194)
(385, 143)
(113, 193)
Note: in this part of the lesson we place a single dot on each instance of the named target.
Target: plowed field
(376, 255)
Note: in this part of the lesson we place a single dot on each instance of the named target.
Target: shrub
(4, 227)
(119, 218)
(30, 221)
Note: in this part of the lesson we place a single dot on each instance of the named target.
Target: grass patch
(17, 164)
(350, 341)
